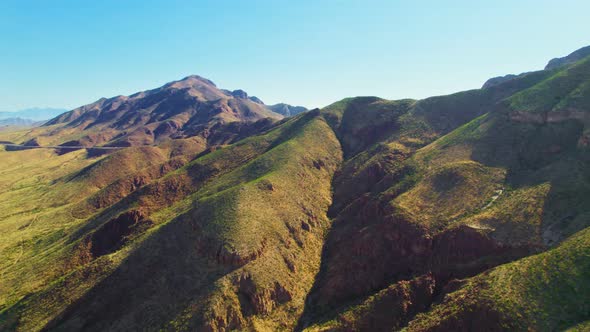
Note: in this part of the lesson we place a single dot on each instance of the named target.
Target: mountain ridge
(369, 214)
(192, 106)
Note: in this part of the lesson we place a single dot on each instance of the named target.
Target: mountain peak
(192, 106)
(190, 82)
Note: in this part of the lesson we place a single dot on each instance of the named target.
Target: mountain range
(191, 107)
(10, 123)
(33, 114)
(464, 212)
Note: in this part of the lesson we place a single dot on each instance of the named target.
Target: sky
(308, 52)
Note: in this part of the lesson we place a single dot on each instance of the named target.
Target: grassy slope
(35, 215)
(545, 200)
(40, 191)
(565, 89)
(254, 213)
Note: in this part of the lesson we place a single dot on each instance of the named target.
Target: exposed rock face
(371, 247)
(255, 301)
(571, 58)
(391, 308)
(193, 106)
(225, 256)
(364, 258)
(112, 235)
(472, 317)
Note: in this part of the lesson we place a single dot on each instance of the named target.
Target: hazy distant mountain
(287, 110)
(19, 122)
(35, 114)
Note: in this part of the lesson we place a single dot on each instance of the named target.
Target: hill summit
(192, 106)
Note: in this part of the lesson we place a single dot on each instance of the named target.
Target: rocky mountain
(190, 107)
(463, 212)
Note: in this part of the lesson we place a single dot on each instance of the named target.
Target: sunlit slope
(40, 194)
(233, 239)
(34, 214)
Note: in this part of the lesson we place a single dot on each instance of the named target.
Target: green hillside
(461, 212)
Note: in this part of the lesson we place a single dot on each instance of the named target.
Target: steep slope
(510, 183)
(546, 292)
(541, 137)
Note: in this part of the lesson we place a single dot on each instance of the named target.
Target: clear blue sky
(306, 52)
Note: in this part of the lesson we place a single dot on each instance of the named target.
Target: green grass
(449, 192)
(34, 216)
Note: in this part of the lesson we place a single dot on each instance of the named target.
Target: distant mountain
(193, 106)
(571, 58)
(35, 114)
(19, 122)
(286, 109)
